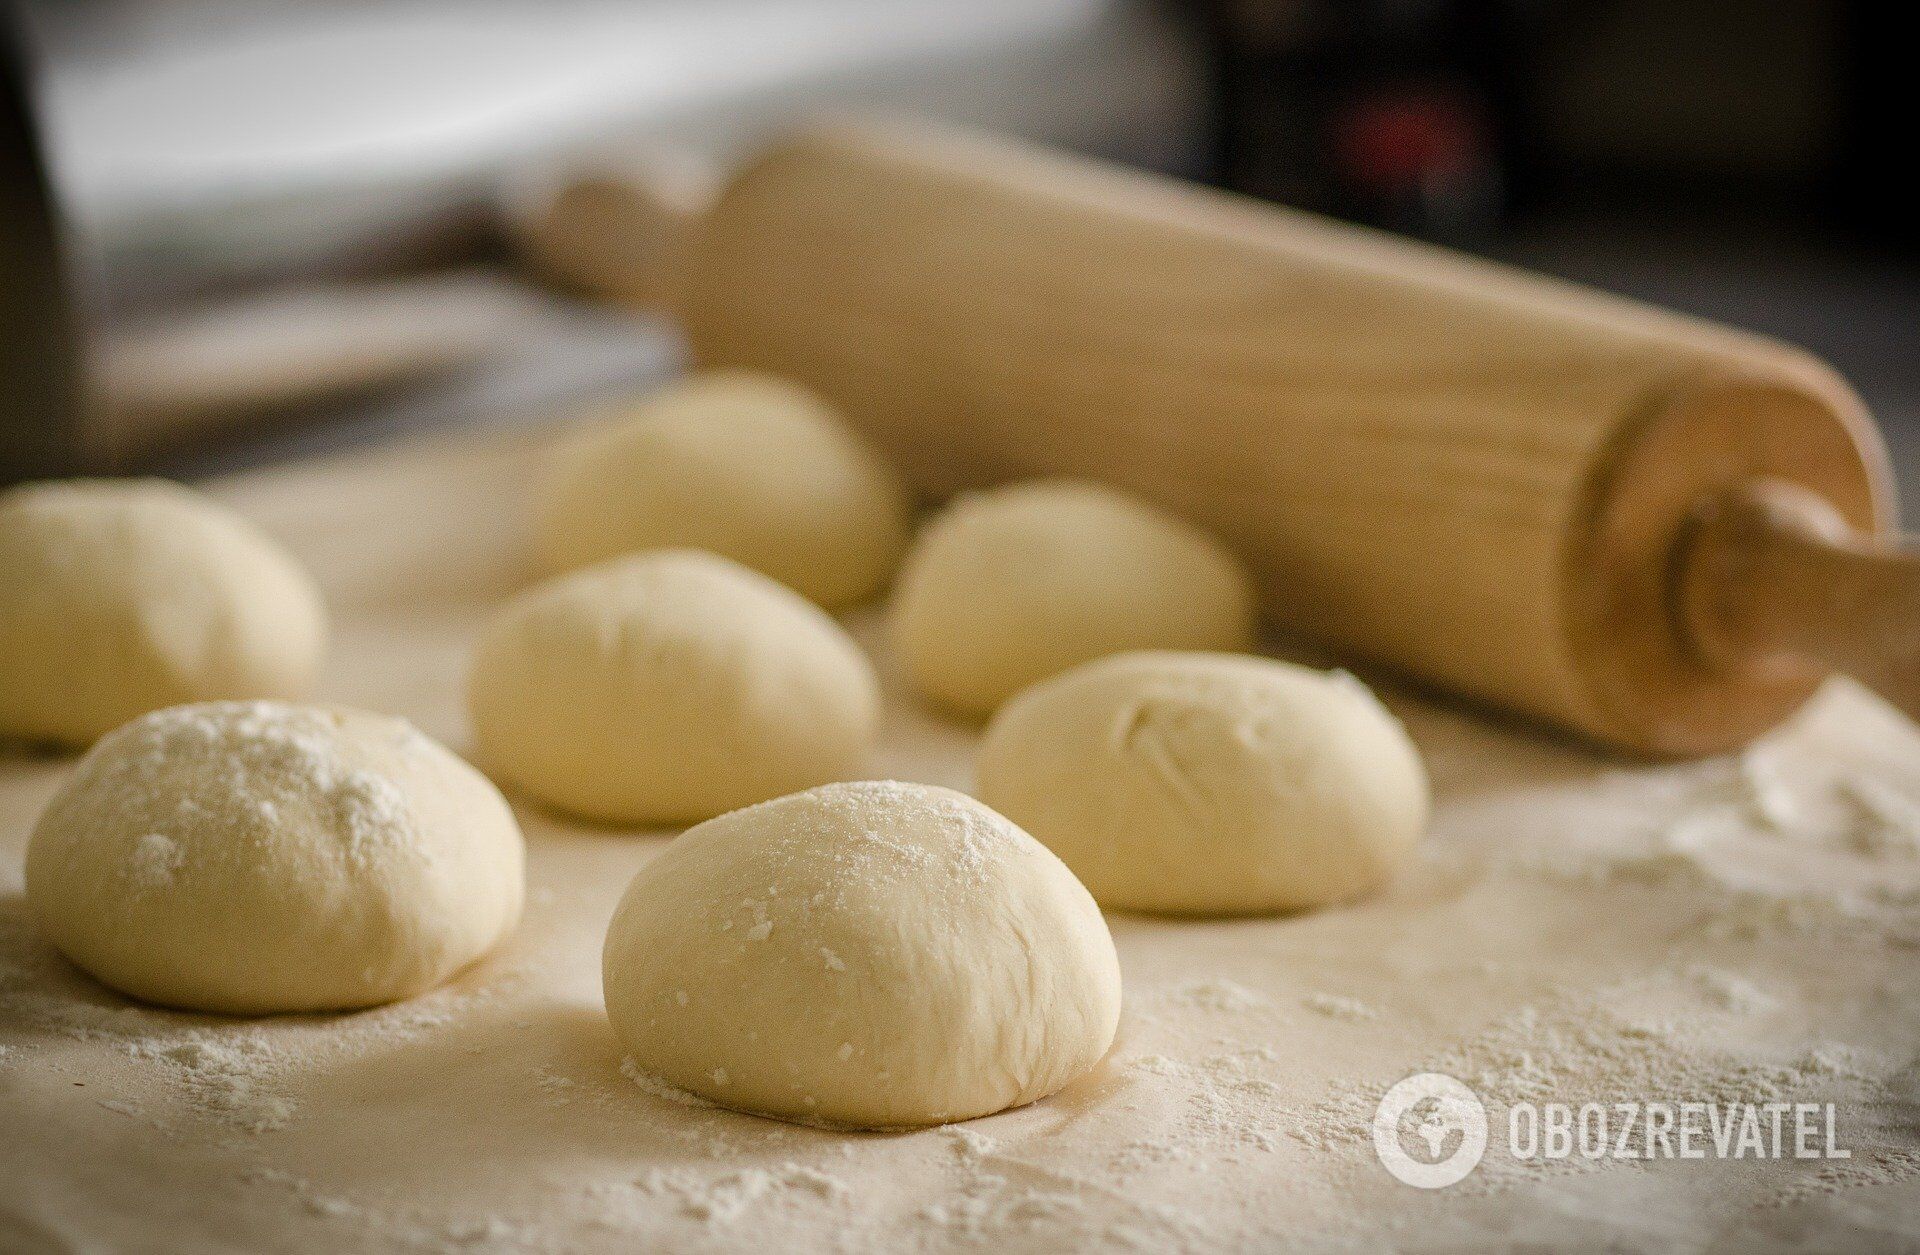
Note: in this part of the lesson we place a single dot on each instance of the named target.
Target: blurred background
(237, 232)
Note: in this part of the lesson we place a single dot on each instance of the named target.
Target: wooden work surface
(1577, 929)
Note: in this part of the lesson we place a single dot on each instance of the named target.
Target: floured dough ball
(1010, 586)
(259, 857)
(1209, 784)
(668, 687)
(873, 955)
(746, 465)
(122, 596)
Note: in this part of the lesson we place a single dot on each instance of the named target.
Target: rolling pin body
(1474, 475)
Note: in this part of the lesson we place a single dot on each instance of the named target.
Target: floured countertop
(1577, 929)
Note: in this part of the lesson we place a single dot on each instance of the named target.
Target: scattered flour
(490, 1230)
(1228, 1109)
(1887, 822)
(559, 1089)
(1204, 1108)
(989, 1207)
(657, 1087)
(1764, 795)
(1338, 1007)
(970, 1146)
(194, 787)
(1729, 991)
(155, 858)
(999, 1196)
(1217, 994)
(233, 1072)
(724, 1199)
(1869, 1167)
(1755, 862)
(1576, 1051)
(227, 1076)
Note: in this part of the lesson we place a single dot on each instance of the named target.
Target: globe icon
(1432, 1130)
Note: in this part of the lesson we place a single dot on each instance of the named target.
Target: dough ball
(1011, 586)
(667, 687)
(874, 955)
(259, 857)
(1209, 784)
(122, 596)
(748, 466)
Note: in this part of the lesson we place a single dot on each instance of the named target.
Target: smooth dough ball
(259, 857)
(667, 687)
(746, 465)
(1011, 586)
(122, 596)
(1209, 784)
(872, 955)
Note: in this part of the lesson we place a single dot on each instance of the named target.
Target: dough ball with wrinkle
(747, 465)
(1008, 587)
(870, 955)
(259, 857)
(1209, 784)
(122, 596)
(667, 687)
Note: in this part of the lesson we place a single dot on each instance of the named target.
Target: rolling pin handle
(1771, 577)
(615, 230)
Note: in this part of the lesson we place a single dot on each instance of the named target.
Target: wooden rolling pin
(1653, 531)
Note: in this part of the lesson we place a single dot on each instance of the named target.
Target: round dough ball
(872, 955)
(667, 687)
(1011, 586)
(259, 857)
(746, 465)
(122, 596)
(1209, 784)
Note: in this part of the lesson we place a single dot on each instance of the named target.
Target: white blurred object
(208, 140)
(172, 379)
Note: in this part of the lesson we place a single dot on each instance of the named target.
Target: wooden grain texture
(1425, 456)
